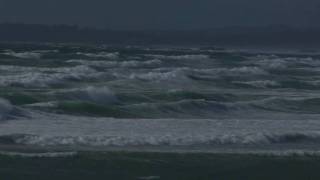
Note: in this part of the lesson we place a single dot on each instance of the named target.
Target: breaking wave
(260, 84)
(124, 64)
(181, 57)
(24, 55)
(184, 73)
(98, 95)
(44, 77)
(109, 55)
(168, 140)
(276, 62)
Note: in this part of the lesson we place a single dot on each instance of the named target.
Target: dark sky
(162, 14)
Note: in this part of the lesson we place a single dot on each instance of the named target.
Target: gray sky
(162, 14)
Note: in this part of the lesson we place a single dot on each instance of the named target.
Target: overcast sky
(162, 14)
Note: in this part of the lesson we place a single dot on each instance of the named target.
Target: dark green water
(165, 166)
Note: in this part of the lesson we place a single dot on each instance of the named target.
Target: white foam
(159, 76)
(171, 140)
(113, 55)
(50, 104)
(243, 70)
(181, 57)
(40, 155)
(260, 84)
(181, 73)
(286, 153)
(140, 63)
(246, 70)
(276, 62)
(99, 95)
(44, 77)
(58, 130)
(24, 55)
(94, 63)
(123, 64)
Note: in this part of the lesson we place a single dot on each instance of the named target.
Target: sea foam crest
(159, 76)
(109, 55)
(277, 62)
(40, 155)
(112, 64)
(39, 77)
(172, 140)
(24, 55)
(259, 83)
(180, 57)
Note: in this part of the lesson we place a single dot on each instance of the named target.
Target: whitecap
(40, 155)
(259, 83)
(171, 140)
(123, 64)
(24, 55)
(44, 77)
(99, 95)
(276, 62)
(159, 76)
(180, 57)
(109, 55)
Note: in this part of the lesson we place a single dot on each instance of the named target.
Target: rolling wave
(124, 64)
(107, 55)
(23, 55)
(180, 57)
(44, 77)
(140, 96)
(168, 140)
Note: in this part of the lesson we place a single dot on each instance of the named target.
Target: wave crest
(24, 55)
(109, 55)
(170, 140)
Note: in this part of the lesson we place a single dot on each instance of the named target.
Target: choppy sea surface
(156, 98)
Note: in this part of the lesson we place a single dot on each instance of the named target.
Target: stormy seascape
(158, 112)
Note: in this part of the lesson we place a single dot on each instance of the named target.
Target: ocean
(158, 108)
